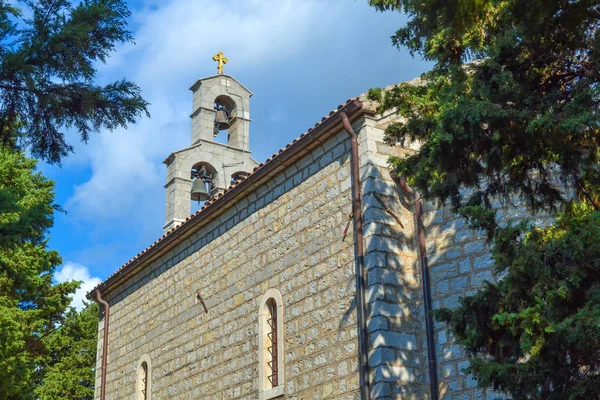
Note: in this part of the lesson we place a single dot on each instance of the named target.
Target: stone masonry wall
(287, 235)
(395, 311)
(459, 263)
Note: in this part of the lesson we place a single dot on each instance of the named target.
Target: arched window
(143, 381)
(270, 345)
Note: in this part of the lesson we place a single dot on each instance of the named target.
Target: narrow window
(272, 342)
(270, 357)
(143, 381)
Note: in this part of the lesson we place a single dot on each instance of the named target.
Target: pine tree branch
(16, 88)
(586, 192)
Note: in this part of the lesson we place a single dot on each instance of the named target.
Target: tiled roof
(350, 107)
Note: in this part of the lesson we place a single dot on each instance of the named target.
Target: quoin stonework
(256, 295)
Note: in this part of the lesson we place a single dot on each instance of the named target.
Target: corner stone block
(375, 292)
(375, 259)
(387, 309)
(379, 186)
(384, 276)
(377, 323)
(381, 389)
(381, 355)
(394, 373)
(402, 341)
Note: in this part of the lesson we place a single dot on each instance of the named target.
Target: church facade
(308, 276)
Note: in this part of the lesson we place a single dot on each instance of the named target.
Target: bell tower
(221, 105)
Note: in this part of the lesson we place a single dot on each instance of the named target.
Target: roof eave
(298, 148)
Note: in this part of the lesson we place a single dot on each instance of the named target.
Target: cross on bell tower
(221, 61)
(220, 103)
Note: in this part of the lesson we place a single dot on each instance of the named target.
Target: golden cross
(221, 60)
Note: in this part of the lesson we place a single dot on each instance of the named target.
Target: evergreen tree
(541, 323)
(31, 306)
(48, 51)
(47, 55)
(69, 369)
(510, 112)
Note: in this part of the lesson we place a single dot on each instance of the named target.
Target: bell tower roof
(229, 80)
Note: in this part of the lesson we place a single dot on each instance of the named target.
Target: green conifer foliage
(510, 112)
(541, 323)
(48, 59)
(31, 306)
(69, 369)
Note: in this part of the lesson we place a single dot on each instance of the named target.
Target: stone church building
(307, 276)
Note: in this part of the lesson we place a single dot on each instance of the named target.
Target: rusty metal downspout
(363, 353)
(104, 344)
(433, 377)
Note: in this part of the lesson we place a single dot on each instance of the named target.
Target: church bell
(199, 192)
(221, 120)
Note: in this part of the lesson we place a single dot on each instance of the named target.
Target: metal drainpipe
(433, 377)
(104, 344)
(363, 353)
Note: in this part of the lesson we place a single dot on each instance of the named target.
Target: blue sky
(299, 58)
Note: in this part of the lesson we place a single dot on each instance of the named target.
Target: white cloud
(127, 171)
(295, 55)
(73, 271)
(177, 37)
(174, 42)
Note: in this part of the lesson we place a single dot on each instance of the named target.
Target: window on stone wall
(272, 343)
(143, 382)
(270, 346)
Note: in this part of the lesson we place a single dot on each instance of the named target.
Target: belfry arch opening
(238, 176)
(225, 118)
(204, 179)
